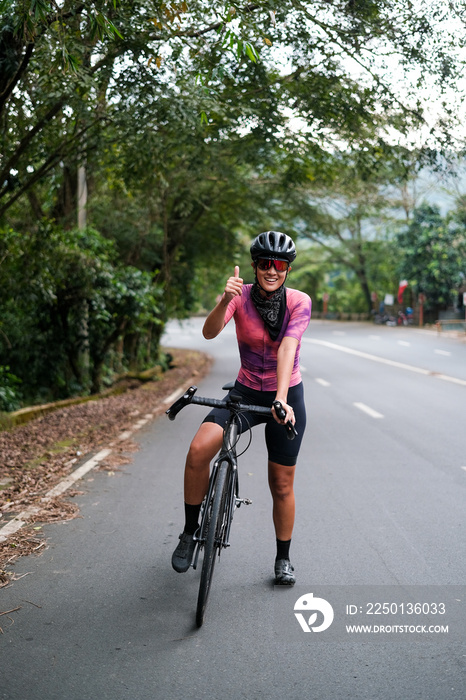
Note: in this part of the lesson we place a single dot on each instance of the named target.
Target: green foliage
(434, 255)
(348, 211)
(316, 272)
(69, 66)
(308, 272)
(345, 293)
(10, 394)
(65, 296)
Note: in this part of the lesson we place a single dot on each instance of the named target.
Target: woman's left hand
(289, 413)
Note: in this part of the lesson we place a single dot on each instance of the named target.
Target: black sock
(283, 549)
(191, 518)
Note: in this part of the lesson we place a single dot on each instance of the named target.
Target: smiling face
(270, 280)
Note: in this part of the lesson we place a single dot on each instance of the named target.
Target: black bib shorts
(280, 449)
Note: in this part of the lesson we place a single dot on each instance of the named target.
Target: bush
(10, 396)
(69, 307)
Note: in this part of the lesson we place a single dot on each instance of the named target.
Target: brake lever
(183, 401)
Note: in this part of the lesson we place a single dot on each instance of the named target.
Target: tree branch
(335, 255)
(29, 51)
(331, 31)
(26, 140)
(19, 74)
(50, 163)
(191, 34)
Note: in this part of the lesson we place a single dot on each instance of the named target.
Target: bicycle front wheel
(217, 517)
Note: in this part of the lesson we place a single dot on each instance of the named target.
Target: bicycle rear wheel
(217, 516)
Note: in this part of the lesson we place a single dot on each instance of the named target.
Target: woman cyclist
(270, 321)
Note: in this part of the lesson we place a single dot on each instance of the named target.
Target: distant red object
(402, 286)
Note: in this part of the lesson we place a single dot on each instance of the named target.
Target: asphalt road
(380, 487)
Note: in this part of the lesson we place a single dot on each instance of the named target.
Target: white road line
(141, 422)
(19, 520)
(384, 361)
(368, 356)
(464, 468)
(322, 382)
(374, 337)
(454, 380)
(404, 343)
(442, 352)
(77, 474)
(367, 409)
(16, 523)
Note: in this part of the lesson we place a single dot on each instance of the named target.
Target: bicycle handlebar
(230, 404)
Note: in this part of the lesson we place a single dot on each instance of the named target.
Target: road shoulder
(42, 461)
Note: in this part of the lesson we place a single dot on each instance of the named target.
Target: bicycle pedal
(246, 501)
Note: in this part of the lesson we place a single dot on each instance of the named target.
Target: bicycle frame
(227, 454)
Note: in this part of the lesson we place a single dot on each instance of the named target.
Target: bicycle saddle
(229, 386)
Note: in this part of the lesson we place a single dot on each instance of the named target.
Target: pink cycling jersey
(258, 352)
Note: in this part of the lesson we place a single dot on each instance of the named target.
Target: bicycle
(222, 496)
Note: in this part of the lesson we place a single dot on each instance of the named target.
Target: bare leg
(281, 481)
(205, 445)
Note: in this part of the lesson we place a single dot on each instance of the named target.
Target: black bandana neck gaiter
(271, 309)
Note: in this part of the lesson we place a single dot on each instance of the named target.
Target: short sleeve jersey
(258, 352)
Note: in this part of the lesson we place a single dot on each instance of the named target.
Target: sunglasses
(279, 265)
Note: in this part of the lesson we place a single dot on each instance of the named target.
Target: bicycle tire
(213, 539)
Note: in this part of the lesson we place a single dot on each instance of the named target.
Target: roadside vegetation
(143, 144)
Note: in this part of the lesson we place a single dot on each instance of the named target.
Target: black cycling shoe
(183, 554)
(284, 575)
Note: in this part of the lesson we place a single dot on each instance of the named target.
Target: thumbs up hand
(234, 286)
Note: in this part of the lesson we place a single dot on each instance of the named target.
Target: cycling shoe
(284, 573)
(183, 554)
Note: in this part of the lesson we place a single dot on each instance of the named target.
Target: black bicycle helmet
(273, 244)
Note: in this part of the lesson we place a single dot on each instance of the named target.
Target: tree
(65, 68)
(434, 255)
(44, 282)
(347, 208)
(184, 117)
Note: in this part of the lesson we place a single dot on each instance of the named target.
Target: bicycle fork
(233, 502)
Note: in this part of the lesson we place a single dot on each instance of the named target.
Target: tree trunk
(365, 289)
(83, 330)
(83, 348)
(82, 197)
